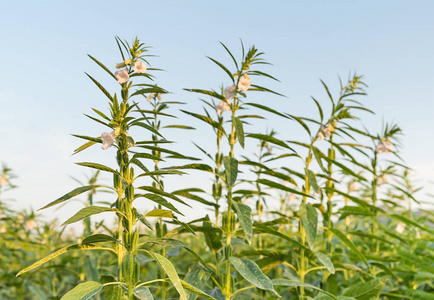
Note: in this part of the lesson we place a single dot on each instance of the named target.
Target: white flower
(222, 106)
(269, 148)
(400, 227)
(107, 139)
(139, 67)
(122, 76)
(3, 180)
(354, 186)
(324, 132)
(244, 83)
(30, 225)
(384, 146)
(382, 179)
(230, 92)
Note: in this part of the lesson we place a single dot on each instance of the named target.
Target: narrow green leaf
(160, 213)
(348, 243)
(281, 187)
(102, 66)
(309, 219)
(291, 283)
(224, 68)
(160, 200)
(205, 92)
(71, 194)
(170, 271)
(84, 146)
(101, 87)
(244, 213)
(86, 212)
(98, 238)
(97, 166)
(83, 291)
(231, 170)
(266, 108)
(270, 139)
(253, 274)
(239, 130)
(57, 253)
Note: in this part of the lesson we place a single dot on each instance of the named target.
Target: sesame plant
(124, 115)
(333, 213)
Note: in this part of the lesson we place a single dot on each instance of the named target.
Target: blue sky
(44, 91)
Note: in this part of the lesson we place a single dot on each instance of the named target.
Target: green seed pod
(126, 268)
(135, 239)
(227, 251)
(136, 273)
(229, 223)
(229, 288)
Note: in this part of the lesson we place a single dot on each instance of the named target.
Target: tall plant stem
(228, 250)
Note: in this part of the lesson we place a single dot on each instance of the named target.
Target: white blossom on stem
(230, 92)
(107, 139)
(222, 106)
(122, 76)
(354, 186)
(400, 227)
(324, 132)
(244, 83)
(3, 180)
(30, 225)
(139, 67)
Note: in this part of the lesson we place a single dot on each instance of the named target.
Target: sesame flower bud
(120, 66)
(127, 62)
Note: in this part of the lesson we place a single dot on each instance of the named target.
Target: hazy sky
(44, 91)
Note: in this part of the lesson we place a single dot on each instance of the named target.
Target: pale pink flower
(384, 147)
(244, 83)
(382, 179)
(139, 67)
(107, 139)
(354, 186)
(3, 180)
(292, 197)
(2, 229)
(324, 132)
(122, 76)
(222, 106)
(400, 227)
(30, 225)
(230, 92)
